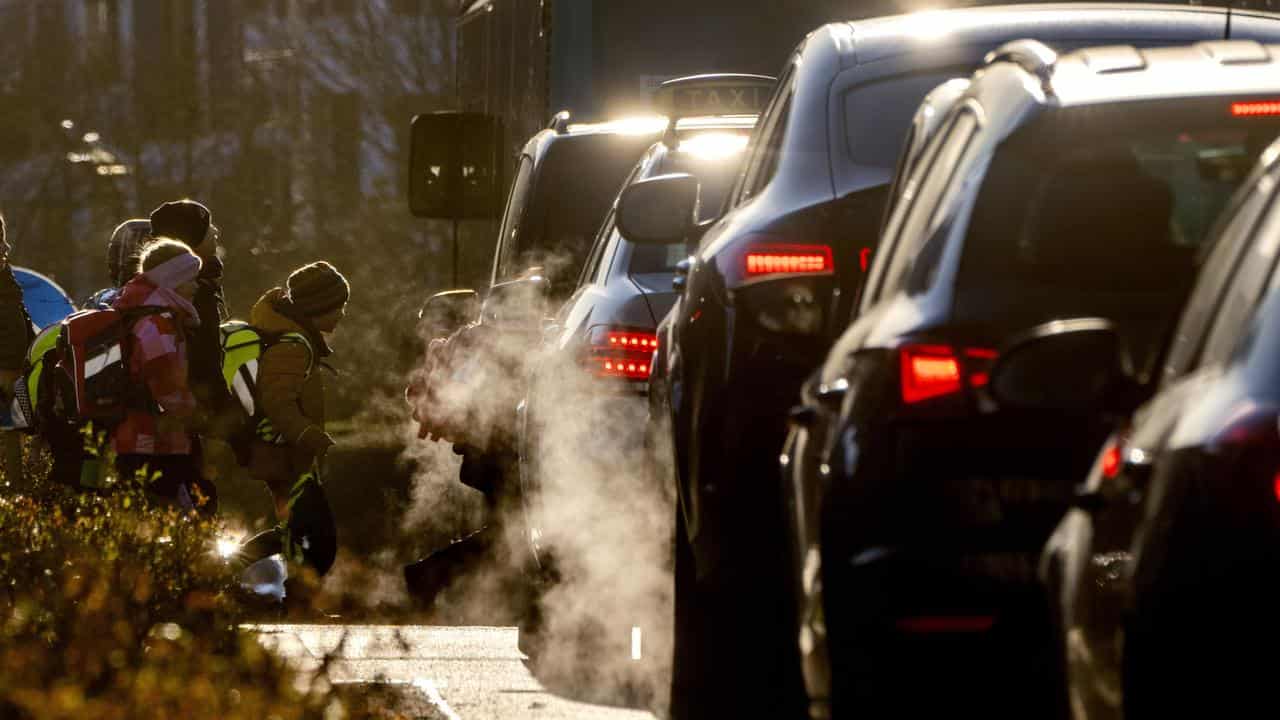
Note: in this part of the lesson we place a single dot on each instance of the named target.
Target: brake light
(1275, 486)
(789, 260)
(622, 354)
(930, 371)
(1111, 460)
(626, 340)
(1255, 109)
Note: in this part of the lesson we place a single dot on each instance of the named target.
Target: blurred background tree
(289, 118)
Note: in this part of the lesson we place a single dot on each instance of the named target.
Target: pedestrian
(16, 333)
(123, 249)
(155, 437)
(291, 440)
(192, 223)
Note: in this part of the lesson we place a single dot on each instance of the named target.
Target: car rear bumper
(965, 625)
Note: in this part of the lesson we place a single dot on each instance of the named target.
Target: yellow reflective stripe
(299, 485)
(33, 383)
(239, 348)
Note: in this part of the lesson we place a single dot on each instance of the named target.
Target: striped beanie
(317, 289)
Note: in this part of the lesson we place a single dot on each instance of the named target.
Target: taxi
(581, 424)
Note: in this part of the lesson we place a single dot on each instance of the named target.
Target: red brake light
(930, 371)
(1275, 486)
(789, 260)
(1255, 109)
(1111, 460)
(622, 354)
(631, 340)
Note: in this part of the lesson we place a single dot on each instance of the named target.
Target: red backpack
(93, 365)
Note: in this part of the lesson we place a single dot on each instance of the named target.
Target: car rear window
(715, 175)
(1101, 210)
(577, 182)
(877, 115)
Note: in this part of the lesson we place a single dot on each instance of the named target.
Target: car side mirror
(445, 312)
(518, 303)
(659, 210)
(1077, 365)
(454, 166)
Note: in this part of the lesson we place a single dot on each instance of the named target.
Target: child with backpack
(155, 435)
(289, 435)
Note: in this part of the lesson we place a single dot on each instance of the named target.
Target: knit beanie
(317, 289)
(185, 220)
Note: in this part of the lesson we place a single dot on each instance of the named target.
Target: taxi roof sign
(715, 94)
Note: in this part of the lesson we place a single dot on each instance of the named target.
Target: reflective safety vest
(242, 349)
(26, 409)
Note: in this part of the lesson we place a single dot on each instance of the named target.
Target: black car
(1163, 576)
(471, 380)
(1055, 187)
(595, 359)
(586, 482)
(773, 282)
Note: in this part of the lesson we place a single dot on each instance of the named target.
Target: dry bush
(112, 608)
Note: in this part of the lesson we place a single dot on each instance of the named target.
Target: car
(1056, 186)
(471, 379)
(773, 282)
(586, 485)
(594, 363)
(1165, 558)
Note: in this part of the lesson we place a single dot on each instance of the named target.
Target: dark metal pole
(455, 254)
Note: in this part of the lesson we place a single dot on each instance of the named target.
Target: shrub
(113, 608)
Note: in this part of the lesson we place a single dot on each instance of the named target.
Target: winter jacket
(15, 324)
(158, 363)
(291, 393)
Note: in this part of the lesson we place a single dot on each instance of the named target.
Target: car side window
(1243, 293)
(766, 164)
(762, 159)
(509, 232)
(1219, 272)
(590, 271)
(925, 224)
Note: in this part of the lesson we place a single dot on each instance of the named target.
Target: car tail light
(788, 259)
(1258, 108)
(931, 371)
(621, 353)
(1112, 458)
(761, 257)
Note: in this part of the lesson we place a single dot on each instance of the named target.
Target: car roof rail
(1031, 55)
(559, 122)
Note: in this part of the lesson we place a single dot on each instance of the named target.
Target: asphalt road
(441, 673)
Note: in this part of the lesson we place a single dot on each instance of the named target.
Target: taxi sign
(718, 94)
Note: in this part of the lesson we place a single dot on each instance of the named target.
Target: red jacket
(158, 360)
